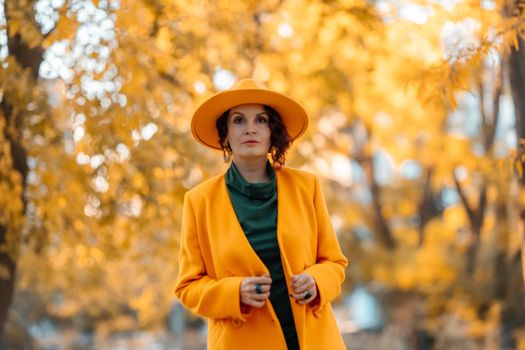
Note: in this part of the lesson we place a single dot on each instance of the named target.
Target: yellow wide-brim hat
(245, 91)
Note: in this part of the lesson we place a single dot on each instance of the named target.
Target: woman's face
(249, 131)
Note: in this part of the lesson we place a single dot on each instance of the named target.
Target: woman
(259, 257)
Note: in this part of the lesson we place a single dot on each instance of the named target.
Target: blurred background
(417, 127)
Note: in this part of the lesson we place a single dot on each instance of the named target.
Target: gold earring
(226, 155)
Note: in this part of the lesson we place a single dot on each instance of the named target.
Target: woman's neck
(253, 170)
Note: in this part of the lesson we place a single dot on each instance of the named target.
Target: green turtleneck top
(255, 205)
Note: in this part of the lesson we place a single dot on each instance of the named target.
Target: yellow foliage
(387, 211)
(521, 197)
(164, 41)
(4, 272)
(455, 218)
(144, 304)
(433, 267)
(333, 57)
(78, 225)
(520, 339)
(406, 279)
(19, 13)
(384, 274)
(438, 232)
(407, 236)
(406, 208)
(456, 148)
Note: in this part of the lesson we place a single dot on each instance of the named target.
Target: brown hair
(279, 140)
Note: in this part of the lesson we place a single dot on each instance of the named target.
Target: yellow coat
(215, 256)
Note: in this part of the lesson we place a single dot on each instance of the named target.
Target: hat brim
(203, 127)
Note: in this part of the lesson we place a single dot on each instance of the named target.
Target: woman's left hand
(304, 289)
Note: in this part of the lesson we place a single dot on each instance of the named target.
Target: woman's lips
(250, 142)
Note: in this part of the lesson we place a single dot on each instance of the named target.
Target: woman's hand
(304, 289)
(253, 295)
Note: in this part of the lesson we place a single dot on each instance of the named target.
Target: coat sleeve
(197, 291)
(329, 269)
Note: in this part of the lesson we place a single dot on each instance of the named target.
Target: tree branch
(480, 212)
(489, 141)
(425, 206)
(27, 57)
(482, 110)
(361, 135)
(464, 200)
(383, 228)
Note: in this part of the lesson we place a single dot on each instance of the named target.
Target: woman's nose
(250, 129)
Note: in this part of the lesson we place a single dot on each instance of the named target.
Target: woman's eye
(262, 120)
(237, 120)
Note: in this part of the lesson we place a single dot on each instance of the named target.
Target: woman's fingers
(262, 280)
(263, 288)
(302, 282)
(304, 289)
(262, 296)
(251, 282)
(255, 303)
(255, 290)
(301, 297)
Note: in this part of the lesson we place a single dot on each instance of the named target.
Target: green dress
(255, 205)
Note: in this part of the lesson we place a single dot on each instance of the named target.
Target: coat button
(236, 323)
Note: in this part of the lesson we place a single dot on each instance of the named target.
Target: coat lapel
(284, 198)
(285, 226)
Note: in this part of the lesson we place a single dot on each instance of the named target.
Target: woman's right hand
(249, 296)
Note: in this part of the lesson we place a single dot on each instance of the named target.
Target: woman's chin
(251, 155)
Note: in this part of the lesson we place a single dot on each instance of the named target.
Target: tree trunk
(28, 58)
(7, 285)
(379, 225)
(516, 64)
(427, 207)
(382, 227)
